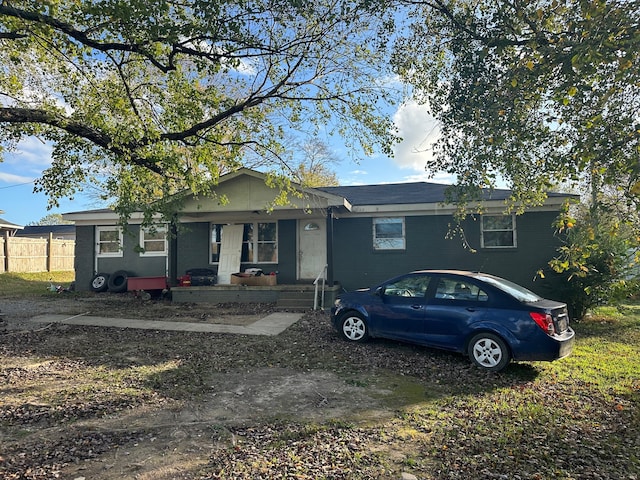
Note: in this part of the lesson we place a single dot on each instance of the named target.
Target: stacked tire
(115, 282)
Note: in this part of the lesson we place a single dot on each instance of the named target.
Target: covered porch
(286, 297)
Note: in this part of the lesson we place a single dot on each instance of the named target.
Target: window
(498, 231)
(411, 286)
(456, 289)
(108, 241)
(153, 241)
(259, 242)
(388, 233)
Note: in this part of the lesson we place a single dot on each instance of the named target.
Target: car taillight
(544, 321)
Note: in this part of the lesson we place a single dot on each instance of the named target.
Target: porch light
(311, 226)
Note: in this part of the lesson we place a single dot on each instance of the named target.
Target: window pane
(267, 252)
(267, 232)
(157, 235)
(216, 233)
(216, 238)
(248, 232)
(389, 230)
(247, 253)
(389, 243)
(497, 222)
(154, 246)
(413, 286)
(109, 236)
(498, 239)
(111, 247)
(456, 289)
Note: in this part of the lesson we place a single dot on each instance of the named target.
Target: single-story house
(58, 232)
(362, 235)
(8, 228)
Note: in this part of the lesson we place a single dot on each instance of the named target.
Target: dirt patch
(112, 403)
(17, 312)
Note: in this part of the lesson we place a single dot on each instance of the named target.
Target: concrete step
(297, 300)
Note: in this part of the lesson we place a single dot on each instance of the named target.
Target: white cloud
(14, 179)
(419, 131)
(31, 155)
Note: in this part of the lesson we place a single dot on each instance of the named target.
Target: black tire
(118, 281)
(353, 327)
(489, 352)
(100, 282)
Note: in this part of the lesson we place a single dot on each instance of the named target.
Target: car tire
(118, 281)
(489, 352)
(353, 327)
(100, 282)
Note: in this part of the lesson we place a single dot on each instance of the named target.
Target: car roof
(465, 273)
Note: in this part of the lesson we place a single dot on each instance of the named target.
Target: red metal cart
(143, 287)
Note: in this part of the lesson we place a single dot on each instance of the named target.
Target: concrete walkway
(272, 324)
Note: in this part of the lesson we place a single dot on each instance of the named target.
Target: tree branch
(44, 117)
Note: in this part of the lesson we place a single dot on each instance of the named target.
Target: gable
(246, 191)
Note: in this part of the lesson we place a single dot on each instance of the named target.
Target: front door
(230, 252)
(312, 248)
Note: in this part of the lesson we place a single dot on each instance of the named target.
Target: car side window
(458, 289)
(412, 286)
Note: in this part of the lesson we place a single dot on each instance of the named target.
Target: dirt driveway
(88, 402)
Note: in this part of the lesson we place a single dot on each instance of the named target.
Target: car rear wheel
(488, 351)
(353, 327)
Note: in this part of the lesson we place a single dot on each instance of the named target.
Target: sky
(19, 169)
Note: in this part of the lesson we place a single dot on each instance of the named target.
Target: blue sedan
(490, 319)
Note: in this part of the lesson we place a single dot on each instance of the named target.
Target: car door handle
(471, 309)
(416, 307)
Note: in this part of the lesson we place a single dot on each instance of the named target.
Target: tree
(52, 219)
(311, 164)
(150, 98)
(535, 93)
(598, 259)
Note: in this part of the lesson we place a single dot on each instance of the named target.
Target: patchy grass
(12, 284)
(78, 399)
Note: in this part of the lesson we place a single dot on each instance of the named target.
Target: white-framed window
(498, 231)
(153, 241)
(108, 242)
(259, 242)
(388, 233)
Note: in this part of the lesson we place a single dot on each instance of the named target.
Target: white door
(230, 252)
(312, 248)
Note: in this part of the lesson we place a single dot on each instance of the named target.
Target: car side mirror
(379, 291)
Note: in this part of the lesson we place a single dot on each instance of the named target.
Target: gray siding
(287, 257)
(85, 240)
(193, 247)
(358, 265)
(131, 261)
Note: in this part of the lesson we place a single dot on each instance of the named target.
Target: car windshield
(513, 289)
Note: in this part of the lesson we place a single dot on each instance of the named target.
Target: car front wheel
(354, 328)
(489, 352)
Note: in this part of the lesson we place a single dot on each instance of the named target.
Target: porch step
(295, 299)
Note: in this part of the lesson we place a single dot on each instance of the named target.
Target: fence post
(49, 251)
(6, 250)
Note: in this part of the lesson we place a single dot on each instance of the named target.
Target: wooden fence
(20, 254)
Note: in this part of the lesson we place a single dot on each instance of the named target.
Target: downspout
(173, 251)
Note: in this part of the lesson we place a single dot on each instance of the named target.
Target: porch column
(330, 246)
